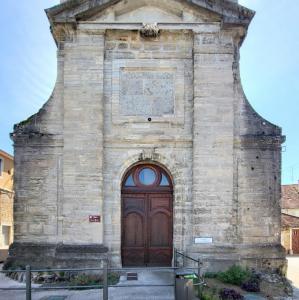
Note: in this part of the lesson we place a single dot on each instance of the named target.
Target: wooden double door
(147, 222)
(295, 241)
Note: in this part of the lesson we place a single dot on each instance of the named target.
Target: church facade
(147, 143)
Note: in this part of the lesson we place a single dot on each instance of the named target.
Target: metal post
(28, 282)
(105, 287)
(174, 258)
(174, 284)
(198, 278)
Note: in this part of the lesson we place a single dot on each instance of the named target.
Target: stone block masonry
(123, 98)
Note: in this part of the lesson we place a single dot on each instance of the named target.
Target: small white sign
(203, 240)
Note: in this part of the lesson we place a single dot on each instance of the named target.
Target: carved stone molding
(63, 32)
(260, 141)
(150, 30)
(148, 154)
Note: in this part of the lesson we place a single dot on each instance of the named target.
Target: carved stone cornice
(74, 11)
(263, 142)
(63, 32)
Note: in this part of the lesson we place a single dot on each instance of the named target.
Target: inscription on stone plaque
(146, 92)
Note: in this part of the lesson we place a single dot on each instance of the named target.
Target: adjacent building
(147, 143)
(290, 218)
(6, 203)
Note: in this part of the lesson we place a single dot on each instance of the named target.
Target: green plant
(234, 275)
(84, 280)
(207, 295)
(113, 278)
(210, 275)
(13, 266)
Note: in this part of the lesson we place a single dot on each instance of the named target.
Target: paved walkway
(293, 274)
(119, 293)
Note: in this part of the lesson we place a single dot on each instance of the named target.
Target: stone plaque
(148, 88)
(203, 240)
(146, 92)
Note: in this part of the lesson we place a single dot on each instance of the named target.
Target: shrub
(228, 294)
(9, 265)
(84, 280)
(208, 296)
(113, 278)
(234, 275)
(210, 275)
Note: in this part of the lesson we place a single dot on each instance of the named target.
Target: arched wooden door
(147, 217)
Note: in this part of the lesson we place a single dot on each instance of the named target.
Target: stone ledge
(263, 257)
(44, 255)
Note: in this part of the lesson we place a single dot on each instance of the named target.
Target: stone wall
(286, 239)
(6, 219)
(224, 159)
(6, 203)
(38, 148)
(132, 138)
(83, 139)
(6, 208)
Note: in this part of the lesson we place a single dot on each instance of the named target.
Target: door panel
(295, 241)
(158, 257)
(133, 230)
(159, 230)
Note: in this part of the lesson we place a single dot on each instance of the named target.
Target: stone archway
(147, 216)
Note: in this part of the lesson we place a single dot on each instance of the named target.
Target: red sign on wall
(94, 219)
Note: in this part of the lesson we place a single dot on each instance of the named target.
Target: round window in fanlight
(147, 176)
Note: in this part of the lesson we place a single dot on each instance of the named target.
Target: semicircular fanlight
(130, 181)
(164, 180)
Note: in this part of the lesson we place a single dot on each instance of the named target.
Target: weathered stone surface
(146, 92)
(51, 255)
(174, 99)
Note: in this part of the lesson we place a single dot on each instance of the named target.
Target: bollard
(28, 282)
(105, 287)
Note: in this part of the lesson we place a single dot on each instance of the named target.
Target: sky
(269, 68)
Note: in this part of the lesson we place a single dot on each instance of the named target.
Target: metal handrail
(105, 286)
(186, 256)
(198, 261)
